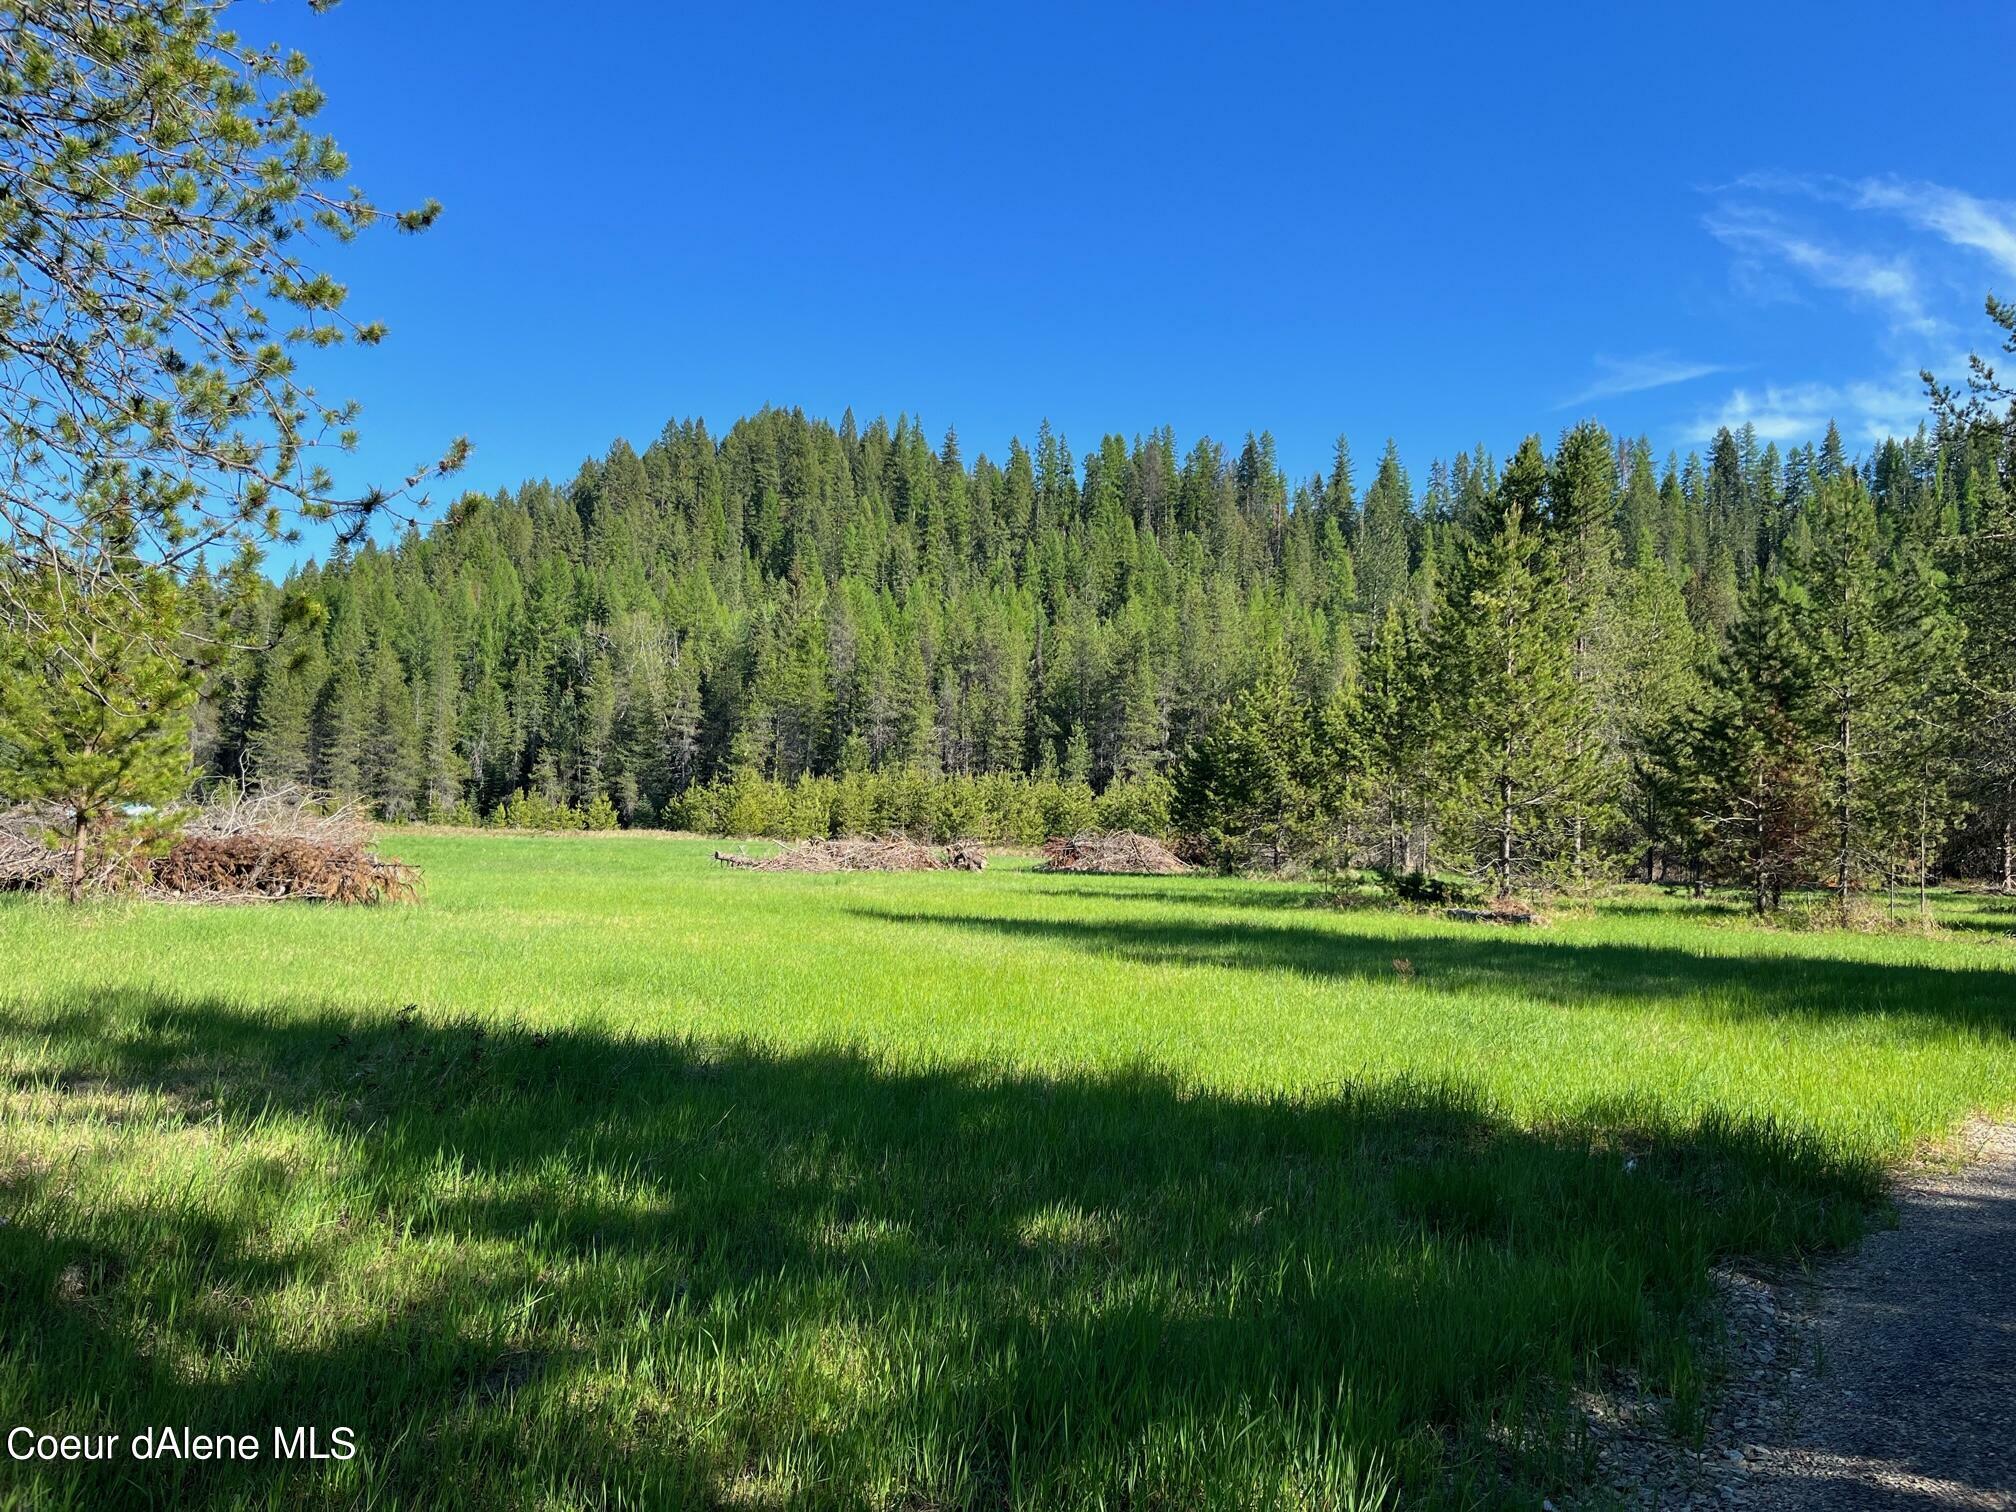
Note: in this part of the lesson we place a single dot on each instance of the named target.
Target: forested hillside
(1772, 666)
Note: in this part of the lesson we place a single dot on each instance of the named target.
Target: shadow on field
(1274, 897)
(1497, 959)
(593, 1268)
(1951, 910)
(1986, 912)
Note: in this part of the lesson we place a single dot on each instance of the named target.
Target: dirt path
(1910, 1401)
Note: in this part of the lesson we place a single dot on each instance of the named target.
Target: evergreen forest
(1769, 668)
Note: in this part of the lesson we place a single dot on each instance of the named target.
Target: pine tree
(1519, 728)
(1639, 511)
(161, 303)
(390, 766)
(1381, 553)
(440, 762)
(1581, 508)
(1854, 671)
(1339, 498)
(94, 696)
(1398, 737)
(1744, 760)
(1918, 772)
(1984, 593)
(338, 760)
(1647, 660)
(279, 750)
(1249, 790)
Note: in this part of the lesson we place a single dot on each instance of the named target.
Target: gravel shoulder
(1913, 1403)
(1885, 1379)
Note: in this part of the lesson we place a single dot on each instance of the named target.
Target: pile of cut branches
(237, 848)
(891, 853)
(256, 847)
(254, 868)
(287, 811)
(1501, 910)
(1115, 853)
(27, 861)
(34, 855)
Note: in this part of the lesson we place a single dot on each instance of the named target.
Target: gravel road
(1884, 1379)
(1913, 1401)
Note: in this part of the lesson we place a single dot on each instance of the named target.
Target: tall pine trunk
(1760, 893)
(1760, 854)
(80, 836)
(1846, 814)
(1924, 824)
(1505, 835)
(1651, 845)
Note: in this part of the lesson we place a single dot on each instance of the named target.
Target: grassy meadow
(607, 1177)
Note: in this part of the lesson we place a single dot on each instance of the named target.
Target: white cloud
(1987, 226)
(1955, 216)
(1632, 375)
(1890, 282)
(1907, 248)
(1866, 411)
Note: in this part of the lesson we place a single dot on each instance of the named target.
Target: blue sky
(1446, 225)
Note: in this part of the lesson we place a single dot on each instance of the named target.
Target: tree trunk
(1760, 854)
(1505, 837)
(1846, 816)
(1924, 823)
(80, 835)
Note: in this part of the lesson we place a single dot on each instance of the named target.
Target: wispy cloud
(1866, 411)
(1633, 375)
(1965, 220)
(1888, 282)
(1955, 216)
(1911, 250)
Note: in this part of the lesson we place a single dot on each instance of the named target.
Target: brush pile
(236, 849)
(269, 846)
(889, 854)
(1497, 911)
(27, 861)
(34, 856)
(1118, 853)
(253, 868)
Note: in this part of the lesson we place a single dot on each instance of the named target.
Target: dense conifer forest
(1771, 668)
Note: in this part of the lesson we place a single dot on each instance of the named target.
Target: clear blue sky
(1445, 225)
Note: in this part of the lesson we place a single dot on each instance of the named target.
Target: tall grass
(608, 1178)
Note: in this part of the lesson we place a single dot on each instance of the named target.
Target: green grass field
(607, 1177)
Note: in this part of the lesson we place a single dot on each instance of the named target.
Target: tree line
(1774, 668)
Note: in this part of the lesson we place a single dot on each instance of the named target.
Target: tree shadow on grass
(1271, 895)
(1721, 907)
(592, 1268)
(1951, 910)
(1980, 911)
(1533, 963)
